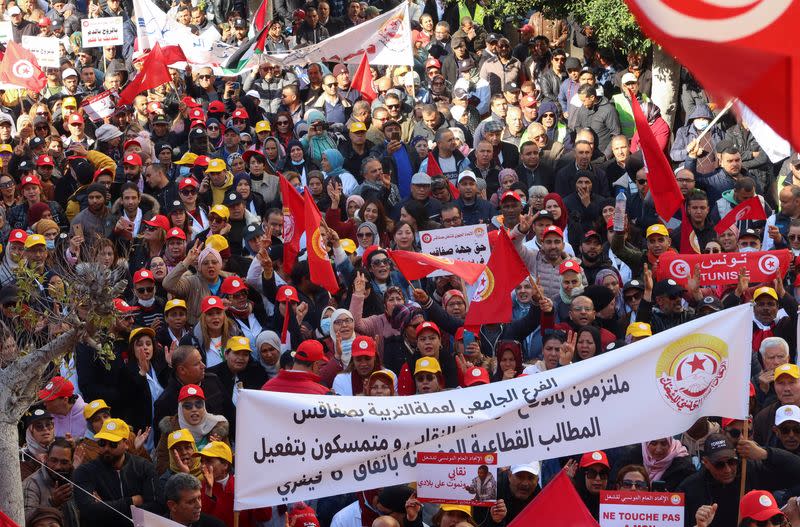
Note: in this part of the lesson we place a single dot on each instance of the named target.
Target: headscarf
(200, 432)
(375, 237)
(42, 226)
(272, 166)
(194, 468)
(345, 344)
(271, 338)
(656, 468)
(33, 446)
(354, 198)
(36, 211)
(206, 252)
(619, 302)
(561, 222)
(244, 176)
(336, 160)
(598, 343)
(403, 314)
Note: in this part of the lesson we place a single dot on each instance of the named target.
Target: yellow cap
(217, 242)
(93, 407)
(757, 293)
(5, 147)
(141, 331)
(69, 102)
(787, 369)
(186, 159)
(263, 126)
(221, 211)
(216, 165)
(175, 302)
(448, 507)
(657, 228)
(179, 436)
(427, 364)
(348, 245)
(357, 126)
(35, 239)
(217, 449)
(639, 329)
(238, 344)
(114, 430)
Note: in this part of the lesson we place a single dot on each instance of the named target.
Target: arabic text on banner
(293, 447)
(453, 478)
(45, 49)
(104, 31)
(723, 268)
(469, 243)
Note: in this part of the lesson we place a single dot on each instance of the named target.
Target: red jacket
(289, 381)
(221, 506)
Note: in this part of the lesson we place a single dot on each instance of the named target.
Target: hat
(14, 10)
(188, 182)
(57, 387)
(232, 285)
(639, 329)
(633, 284)
(427, 364)
(287, 293)
(458, 42)
(428, 326)
(179, 436)
(357, 126)
(511, 87)
(216, 107)
(364, 347)
(69, 72)
(510, 194)
(172, 304)
(239, 23)
(216, 165)
(572, 63)
(460, 94)
(591, 234)
(253, 230)
(668, 287)
(263, 126)
(339, 69)
(628, 77)
(467, 174)
(35, 239)
(30, 180)
(657, 228)
(451, 507)
(201, 161)
(238, 343)
(598, 457)
(114, 430)
(600, 296)
(420, 178)
(531, 468)
(187, 159)
(26, 165)
(107, 132)
(43, 513)
(232, 198)
(711, 302)
(240, 113)
(492, 37)
(17, 235)
(5, 147)
(748, 232)
(217, 449)
(161, 119)
(718, 446)
(475, 375)
(765, 290)
(301, 515)
(758, 505)
(133, 159)
(191, 390)
(552, 229)
(159, 221)
(93, 407)
(569, 265)
(176, 233)
(123, 307)
(788, 412)
(217, 242)
(310, 351)
(545, 214)
(529, 101)
(493, 125)
(432, 63)
(450, 294)
(35, 414)
(211, 302)
(347, 245)
(141, 275)
(787, 369)
(141, 331)
(221, 211)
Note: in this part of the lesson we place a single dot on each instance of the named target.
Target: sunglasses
(712, 250)
(730, 462)
(283, 123)
(630, 484)
(191, 405)
(425, 377)
(380, 262)
(549, 114)
(217, 219)
(10, 184)
(240, 121)
(778, 519)
(330, 85)
(102, 443)
(365, 235)
(641, 181)
(43, 113)
(794, 237)
(393, 106)
(150, 228)
(205, 77)
(41, 426)
(786, 430)
(42, 127)
(635, 296)
(212, 127)
(560, 59)
(143, 290)
(189, 191)
(594, 474)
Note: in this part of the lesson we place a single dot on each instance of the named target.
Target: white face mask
(747, 250)
(700, 124)
(146, 303)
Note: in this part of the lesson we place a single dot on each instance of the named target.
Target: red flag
(5, 521)
(491, 301)
(418, 265)
(557, 504)
(723, 268)
(19, 67)
(154, 72)
(293, 222)
(664, 188)
(735, 49)
(433, 169)
(362, 80)
(749, 209)
(688, 235)
(259, 21)
(319, 265)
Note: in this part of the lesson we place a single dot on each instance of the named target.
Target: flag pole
(742, 482)
(716, 119)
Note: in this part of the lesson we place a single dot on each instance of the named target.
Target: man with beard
(515, 490)
(116, 478)
(593, 257)
(543, 263)
(46, 488)
(787, 428)
(582, 313)
(501, 69)
(96, 219)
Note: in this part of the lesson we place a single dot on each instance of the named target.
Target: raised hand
(567, 349)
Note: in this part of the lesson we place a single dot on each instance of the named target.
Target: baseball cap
(93, 407)
(216, 449)
(427, 364)
(179, 436)
(569, 265)
(232, 198)
(263, 126)
(114, 430)
(553, 229)
(159, 221)
(475, 375)
(35, 239)
(216, 107)
(572, 63)
(175, 302)
(57, 387)
(748, 232)
(177, 233)
(191, 390)
(232, 285)
(221, 211)
(133, 159)
(240, 113)
(287, 293)
(188, 182)
(765, 290)
(357, 126)
(510, 194)
(628, 77)
(420, 178)
(339, 69)
(511, 87)
(141, 275)
(141, 331)
(657, 228)
(364, 347)
(211, 302)
(123, 307)
(598, 457)
(69, 72)
(45, 160)
(428, 326)
(310, 351)
(492, 37)
(215, 165)
(187, 159)
(467, 174)
(432, 63)
(788, 412)
(14, 10)
(667, 287)
(452, 507)
(238, 343)
(711, 302)
(218, 242)
(493, 125)
(534, 467)
(717, 447)
(529, 101)
(30, 180)
(17, 235)
(758, 505)
(639, 329)
(787, 369)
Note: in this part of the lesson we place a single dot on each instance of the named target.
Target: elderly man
(773, 352)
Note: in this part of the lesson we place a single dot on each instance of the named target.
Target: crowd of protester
(531, 129)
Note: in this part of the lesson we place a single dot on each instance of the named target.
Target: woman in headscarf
(39, 433)
(214, 132)
(439, 91)
(333, 216)
(238, 166)
(318, 139)
(366, 236)
(253, 201)
(332, 165)
(509, 361)
(274, 154)
(193, 288)
(506, 177)
(316, 184)
(340, 343)
(296, 160)
(665, 459)
(268, 352)
(588, 343)
(611, 279)
(284, 128)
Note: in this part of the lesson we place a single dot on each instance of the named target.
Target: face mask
(347, 350)
(146, 303)
(701, 124)
(50, 244)
(748, 250)
(325, 326)
(524, 204)
(576, 292)
(296, 163)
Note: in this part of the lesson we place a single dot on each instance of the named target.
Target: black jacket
(217, 401)
(680, 468)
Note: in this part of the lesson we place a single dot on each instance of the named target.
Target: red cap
(475, 375)
(196, 114)
(201, 161)
(301, 515)
(232, 285)
(432, 63)
(159, 220)
(552, 229)
(727, 420)
(460, 333)
(191, 390)
(154, 107)
(57, 387)
(18, 235)
(188, 182)
(123, 307)
(510, 194)
(131, 142)
(758, 505)
(216, 107)
(143, 274)
(100, 171)
(569, 265)
(598, 457)
(240, 113)
(368, 253)
(191, 103)
(30, 180)
(526, 28)
(44, 160)
(310, 351)
(176, 232)
(364, 347)
(132, 159)
(430, 326)
(45, 22)
(529, 101)
(287, 293)
(75, 118)
(211, 302)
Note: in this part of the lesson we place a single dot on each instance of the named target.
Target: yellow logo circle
(690, 369)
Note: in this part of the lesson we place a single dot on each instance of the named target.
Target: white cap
(69, 72)
(534, 467)
(628, 77)
(467, 174)
(788, 412)
(254, 94)
(411, 78)
(14, 10)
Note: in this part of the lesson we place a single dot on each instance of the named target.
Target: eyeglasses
(9, 184)
(594, 474)
(150, 228)
(240, 121)
(582, 309)
(343, 321)
(190, 405)
(778, 519)
(41, 426)
(246, 143)
(212, 127)
(641, 181)
(217, 219)
(786, 430)
(730, 462)
(365, 235)
(712, 250)
(143, 290)
(330, 85)
(629, 484)
(43, 113)
(102, 443)
(283, 123)
(204, 77)
(560, 59)
(393, 106)
(40, 127)
(685, 180)
(634, 296)
(425, 377)
(189, 191)
(380, 262)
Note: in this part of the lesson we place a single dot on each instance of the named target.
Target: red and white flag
(293, 222)
(418, 265)
(749, 209)
(362, 80)
(557, 504)
(319, 265)
(154, 72)
(19, 67)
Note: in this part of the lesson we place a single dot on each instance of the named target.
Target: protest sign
(469, 243)
(651, 509)
(6, 32)
(723, 268)
(99, 106)
(45, 49)
(143, 518)
(292, 447)
(104, 31)
(454, 478)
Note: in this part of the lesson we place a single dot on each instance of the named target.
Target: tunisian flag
(664, 188)
(491, 301)
(293, 222)
(433, 169)
(749, 209)
(362, 80)
(319, 264)
(19, 67)
(154, 72)
(735, 49)
(418, 265)
(557, 504)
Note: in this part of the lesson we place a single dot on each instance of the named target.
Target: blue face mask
(50, 244)
(325, 326)
(347, 347)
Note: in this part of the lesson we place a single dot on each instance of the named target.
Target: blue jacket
(481, 211)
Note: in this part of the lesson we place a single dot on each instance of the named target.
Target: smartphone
(469, 338)
(78, 229)
(235, 86)
(395, 136)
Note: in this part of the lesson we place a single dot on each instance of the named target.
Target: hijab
(656, 468)
(549, 107)
(200, 432)
(336, 160)
(272, 166)
(271, 338)
(561, 222)
(619, 302)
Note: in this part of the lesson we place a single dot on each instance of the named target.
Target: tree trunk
(666, 84)
(11, 501)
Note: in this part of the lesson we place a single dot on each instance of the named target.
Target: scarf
(656, 468)
(242, 313)
(194, 467)
(271, 338)
(201, 431)
(33, 446)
